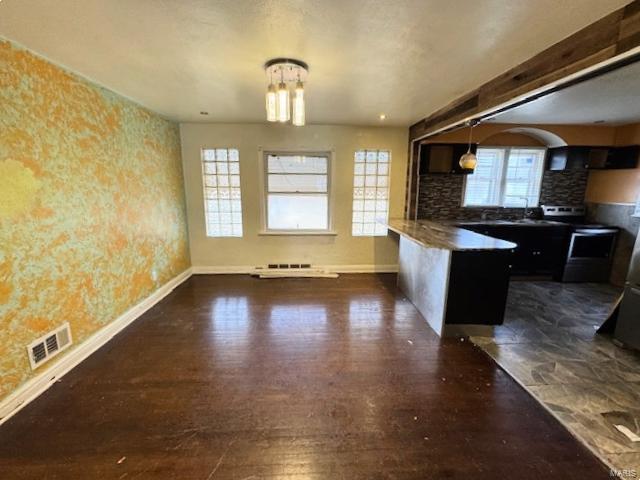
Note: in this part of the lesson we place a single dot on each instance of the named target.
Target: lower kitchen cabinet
(541, 249)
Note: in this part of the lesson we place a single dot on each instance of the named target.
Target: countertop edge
(441, 229)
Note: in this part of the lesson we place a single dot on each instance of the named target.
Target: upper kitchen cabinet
(566, 158)
(443, 157)
(624, 157)
(593, 158)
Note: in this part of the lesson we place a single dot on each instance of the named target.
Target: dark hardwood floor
(232, 377)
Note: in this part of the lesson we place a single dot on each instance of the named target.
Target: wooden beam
(594, 48)
(606, 39)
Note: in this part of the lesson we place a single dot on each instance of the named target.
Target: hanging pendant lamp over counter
(285, 74)
(468, 161)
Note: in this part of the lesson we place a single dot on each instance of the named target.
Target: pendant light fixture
(272, 103)
(298, 105)
(278, 99)
(283, 101)
(468, 161)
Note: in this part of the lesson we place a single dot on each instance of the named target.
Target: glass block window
(221, 180)
(370, 192)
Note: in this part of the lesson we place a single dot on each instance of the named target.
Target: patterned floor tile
(549, 344)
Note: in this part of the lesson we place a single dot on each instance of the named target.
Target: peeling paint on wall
(92, 212)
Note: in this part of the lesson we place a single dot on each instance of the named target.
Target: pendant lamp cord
(471, 123)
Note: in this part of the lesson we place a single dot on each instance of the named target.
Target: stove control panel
(563, 211)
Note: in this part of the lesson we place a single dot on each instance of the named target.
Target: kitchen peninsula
(456, 278)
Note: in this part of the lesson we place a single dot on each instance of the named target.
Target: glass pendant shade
(283, 103)
(298, 105)
(271, 104)
(468, 161)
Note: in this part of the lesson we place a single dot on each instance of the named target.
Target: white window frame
(503, 178)
(205, 198)
(264, 165)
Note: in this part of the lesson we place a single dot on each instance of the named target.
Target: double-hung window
(505, 177)
(222, 202)
(297, 192)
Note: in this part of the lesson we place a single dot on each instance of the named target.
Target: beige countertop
(447, 237)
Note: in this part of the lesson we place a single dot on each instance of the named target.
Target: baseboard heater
(292, 270)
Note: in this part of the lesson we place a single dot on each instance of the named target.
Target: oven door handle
(595, 231)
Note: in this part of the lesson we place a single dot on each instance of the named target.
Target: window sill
(482, 206)
(298, 233)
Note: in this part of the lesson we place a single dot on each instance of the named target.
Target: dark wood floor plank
(232, 377)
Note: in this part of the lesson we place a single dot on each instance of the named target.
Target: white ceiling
(404, 58)
(613, 98)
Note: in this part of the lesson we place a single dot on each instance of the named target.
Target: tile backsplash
(440, 196)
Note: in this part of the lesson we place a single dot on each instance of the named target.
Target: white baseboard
(31, 389)
(362, 268)
(247, 269)
(204, 270)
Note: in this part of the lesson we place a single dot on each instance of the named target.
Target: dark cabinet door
(436, 159)
(598, 157)
(593, 158)
(540, 250)
(567, 158)
(557, 158)
(624, 157)
(523, 256)
(443, 157)
(549, 250)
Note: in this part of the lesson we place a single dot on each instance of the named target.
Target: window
(370, 192)
(506, 177)
(221, 180)
(297, 190)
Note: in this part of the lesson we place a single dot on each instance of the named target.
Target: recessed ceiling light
(204, 113)
(382, 116)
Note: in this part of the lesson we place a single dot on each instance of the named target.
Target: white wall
(254, 249)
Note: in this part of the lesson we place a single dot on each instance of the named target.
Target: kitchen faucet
(525, 214)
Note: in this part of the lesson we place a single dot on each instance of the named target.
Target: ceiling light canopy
(285, 74)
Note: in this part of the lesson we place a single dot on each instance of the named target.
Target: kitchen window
(505, 177)
(221, 183)
(370, 192)
(297, 193)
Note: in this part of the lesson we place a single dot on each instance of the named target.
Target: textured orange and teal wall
(92, 210)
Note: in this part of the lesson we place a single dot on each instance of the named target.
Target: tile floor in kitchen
(549, 344)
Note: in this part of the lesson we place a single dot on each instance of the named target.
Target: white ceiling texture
(612, 98)
(404, 58)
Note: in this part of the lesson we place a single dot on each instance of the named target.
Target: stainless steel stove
(590, 247)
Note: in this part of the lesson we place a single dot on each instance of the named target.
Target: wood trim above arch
(600, 45)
